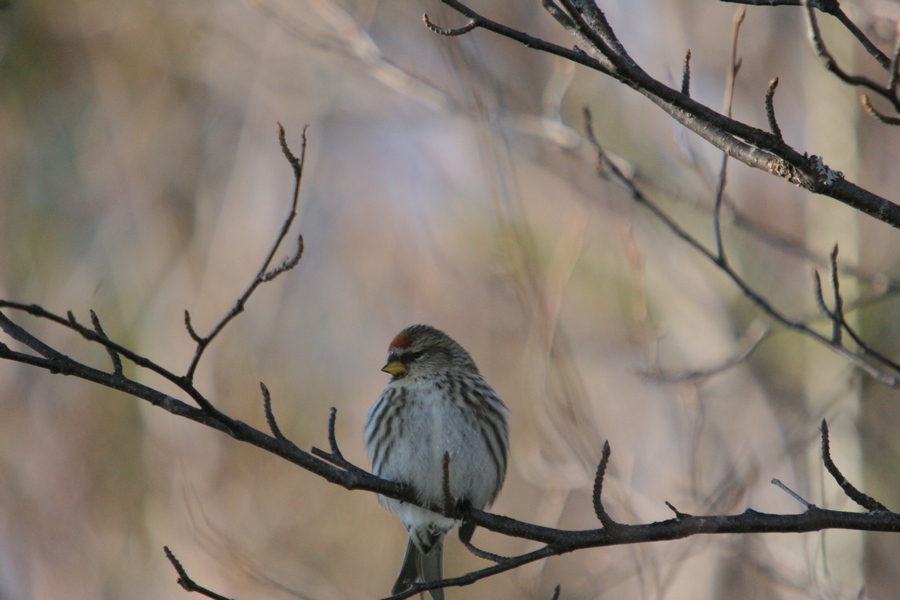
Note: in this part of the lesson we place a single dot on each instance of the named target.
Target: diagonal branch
(609, 169)
(752, 146)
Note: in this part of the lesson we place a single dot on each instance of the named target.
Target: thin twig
(113, 355)
(186, 582)
(597, 496)
(831, 64)
(838, 320)
(613, 171)
(264, 275)
(686, 75)
(736, 61)
(895, 65)
(770, 109)
(270, 416)
(335, 457)
(678, 513)
(446, 31)
(792, 493)
(879, 116)
(485, 555)
(850, 490)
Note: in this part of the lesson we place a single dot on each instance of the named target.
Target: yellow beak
(395, 367)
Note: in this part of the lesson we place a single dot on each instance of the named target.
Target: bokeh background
(447, 182)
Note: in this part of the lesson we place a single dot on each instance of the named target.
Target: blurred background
(447, 182)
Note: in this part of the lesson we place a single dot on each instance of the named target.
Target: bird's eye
(411, 356)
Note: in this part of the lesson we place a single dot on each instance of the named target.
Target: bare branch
(792, 493)
(729, 101)
(190, 328)
(613, 172)
(186, 582)
(678, 513)
(867, 105)
(818, 42)
(113, 355)
(264, 275)
(270, 416)
(496, 558)
(838, 319)
(447, 31)
(770, 109)
(597, 496)
(833, 8)
(752, 146)
(854, 494)
(335, 457)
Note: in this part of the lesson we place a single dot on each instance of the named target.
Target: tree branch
(334, 468)
(752, 146)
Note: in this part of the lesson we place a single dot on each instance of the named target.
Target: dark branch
(113, 355)
(264, 275)
(886, 119)
(678, 513)
(838, 320)
(607, 168)
(850, 490)
(186, 582)
(770, 109)
(601, 51)
(597, 495)
(270, 416)
(450, 32)
(333, 467)
(335, 457)
(496, 558)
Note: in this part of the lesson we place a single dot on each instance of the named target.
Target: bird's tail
(421, 566)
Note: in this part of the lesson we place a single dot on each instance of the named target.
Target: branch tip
(850, 490)
(678, 514)
(770, 110)
(296, 163)
(332, 438)
(838, 318)
(270, 416)
(113, 355)
(186, 582)
(190, 328)
(776, 482)
(447, 31)
(599, 510)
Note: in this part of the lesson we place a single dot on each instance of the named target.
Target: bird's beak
(394, 367)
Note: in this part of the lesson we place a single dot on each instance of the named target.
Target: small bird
(435, 403)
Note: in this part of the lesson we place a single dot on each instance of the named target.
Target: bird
(435, 403)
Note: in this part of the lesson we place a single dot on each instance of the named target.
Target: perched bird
(435, 403)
